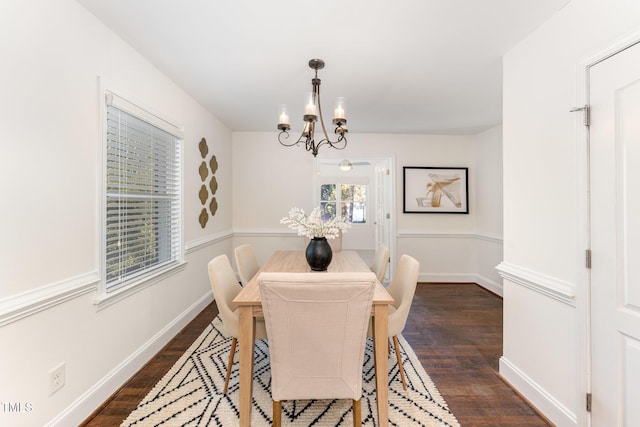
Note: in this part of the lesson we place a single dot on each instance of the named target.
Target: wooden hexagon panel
(213, 185)
(204, 150)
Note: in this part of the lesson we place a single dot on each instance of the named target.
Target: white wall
(269, 179)
(52, 54)
(488, 195)
(544, 204)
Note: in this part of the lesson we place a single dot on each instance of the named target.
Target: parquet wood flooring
(454, 329)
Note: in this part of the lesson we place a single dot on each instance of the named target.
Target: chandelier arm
(324, 129)
(335, 144)
(286, 136)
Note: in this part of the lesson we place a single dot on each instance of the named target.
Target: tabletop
(295, 262)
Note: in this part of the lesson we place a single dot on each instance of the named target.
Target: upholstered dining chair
(402, 289)
(246, 262)
(225, 288)
(380, 261)
(317, 328)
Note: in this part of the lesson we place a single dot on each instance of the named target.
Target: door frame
(391, 195)
(583, 282)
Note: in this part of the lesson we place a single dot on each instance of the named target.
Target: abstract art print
(435, 190)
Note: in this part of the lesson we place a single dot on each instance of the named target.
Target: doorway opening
(363, 193)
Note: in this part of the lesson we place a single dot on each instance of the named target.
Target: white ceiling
(405, 66)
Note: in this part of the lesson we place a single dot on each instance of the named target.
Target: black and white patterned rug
(190, 394)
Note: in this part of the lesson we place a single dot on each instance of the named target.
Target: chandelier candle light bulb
(310, 105)
(284, 117)
(339, 114)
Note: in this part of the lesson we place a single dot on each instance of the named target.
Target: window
(352, 203)
(142, 194)
(328, 201)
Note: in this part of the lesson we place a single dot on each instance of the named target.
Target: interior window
(351, 203)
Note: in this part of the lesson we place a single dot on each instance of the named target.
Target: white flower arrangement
(312, 225)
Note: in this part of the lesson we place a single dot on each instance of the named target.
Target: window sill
(104, 300)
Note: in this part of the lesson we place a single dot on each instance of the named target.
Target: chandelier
(313, 111)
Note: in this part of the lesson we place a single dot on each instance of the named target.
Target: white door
(383, 208)
(614, 97)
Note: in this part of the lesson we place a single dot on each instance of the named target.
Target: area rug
(190, 394)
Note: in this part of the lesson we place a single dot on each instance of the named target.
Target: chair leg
(277, 413)
(357, 413)
(397, 347)
(234, 341)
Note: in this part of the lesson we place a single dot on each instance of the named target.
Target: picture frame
(427, 189)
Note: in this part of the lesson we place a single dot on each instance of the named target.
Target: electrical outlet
(56, 378)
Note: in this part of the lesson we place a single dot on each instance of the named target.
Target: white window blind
(143, 196)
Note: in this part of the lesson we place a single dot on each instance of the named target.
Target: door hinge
(588, 402)
(587, 258)
(587, 113)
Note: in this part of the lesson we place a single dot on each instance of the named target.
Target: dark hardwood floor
(455, 330)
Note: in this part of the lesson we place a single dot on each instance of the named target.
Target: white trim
(447, 277)
(544, 401)
(197, 244)
(25, 304)
(490, 237)
(557, 289)
(95, 396)
(139, 110)
(462, 278)
(490, 285)
(104, 300)
(431, 235)
(487, 237)
(264, 232)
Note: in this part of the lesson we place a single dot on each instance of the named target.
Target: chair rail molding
(551, 287)
(264, 232)
(27, 303)
(420, 234)
(201, 243)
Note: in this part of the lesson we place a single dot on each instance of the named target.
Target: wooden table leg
(380, 344)
(246, 342)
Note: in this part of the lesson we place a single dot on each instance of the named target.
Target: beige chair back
(402, 288)
(380, 262)
(225, 288)
(246, 262)
(316, 325)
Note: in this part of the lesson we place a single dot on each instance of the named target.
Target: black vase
(319, 254)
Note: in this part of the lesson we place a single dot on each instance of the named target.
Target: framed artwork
(435, 190)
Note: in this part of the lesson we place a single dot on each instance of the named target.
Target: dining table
(250, 308)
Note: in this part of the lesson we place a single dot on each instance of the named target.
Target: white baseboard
(490, 285)
(89, 401)
(447, 277)
(555, 411)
